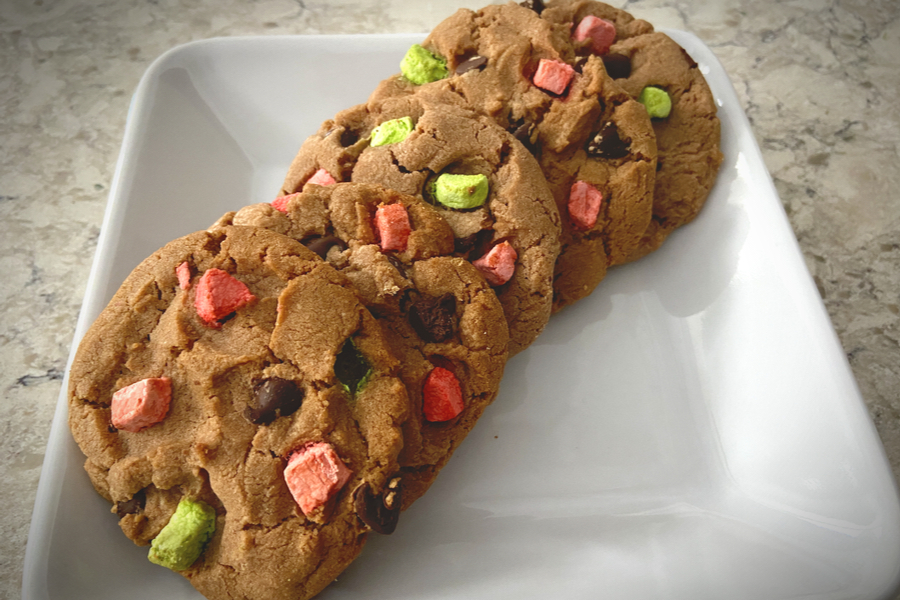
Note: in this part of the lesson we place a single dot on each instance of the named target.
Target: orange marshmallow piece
(442, 396)
(281, 202)
(392, 224)
(321, 177)
(314, 474)
(553, 76)
(183, 272)
(142, 404)
(584, 204)
(498, 265)
(599, 31)
(218, 295)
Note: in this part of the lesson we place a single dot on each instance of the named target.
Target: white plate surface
(690, 431)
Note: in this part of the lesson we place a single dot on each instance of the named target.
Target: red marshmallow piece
(553, 76)
(321, 177)
(498, 265)
(600, 32)
(281, 203)
(314, 474)
(218, 295)
(183, 272)
(584, 204)
(142, 404)
(442, 396)
(392, 225)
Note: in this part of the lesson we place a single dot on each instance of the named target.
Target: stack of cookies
(259, 396)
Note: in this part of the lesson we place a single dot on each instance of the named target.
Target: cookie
(241, 409)
(440, 318)
(594, 142)
(654, 69)
(503, 216)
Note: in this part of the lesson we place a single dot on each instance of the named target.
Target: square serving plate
(692, 430)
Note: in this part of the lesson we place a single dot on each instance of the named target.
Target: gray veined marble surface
(818, 79)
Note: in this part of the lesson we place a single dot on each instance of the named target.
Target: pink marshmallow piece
(602, 33)
(218, 295)
(584, 204)
(142, 404)
(183, 272)
(281, 203)
(314, 474)
(553, 76)
(498, 265)
(392, 224)
(321, 177)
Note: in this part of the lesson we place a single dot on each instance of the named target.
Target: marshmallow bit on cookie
(498, 265)
(584, 204)
(314, 474)
(281, 202)
(442, 396)
(553, 76)
(600, 32)
(321, 177)
(392, 225)
(141, 404)
(183, 272)
(218, 295)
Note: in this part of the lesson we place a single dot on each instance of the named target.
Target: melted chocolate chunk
(475, 244)
(434, 319)
(397, 264)
(607, 143)
(349, 137)
(321, 245)
(618, 66)
(476, 62)
(351, 367)
(535, 5)
(274, 397)
(380, 512)
(524, 132)
(132, 506)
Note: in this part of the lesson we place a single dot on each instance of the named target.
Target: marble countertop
(817, 79)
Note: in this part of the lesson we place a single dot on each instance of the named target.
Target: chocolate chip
(349, 137)
(112, 428)
(380, 512)
(397, 264)
(274, 397)
(434, 319)
(321, 245)
(132, 506)
(476, 62)
(351, 367)
(618, 66)
(535, 5)
(524, 132)
(607, 143)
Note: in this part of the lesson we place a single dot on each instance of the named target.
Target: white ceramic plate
(692, 430)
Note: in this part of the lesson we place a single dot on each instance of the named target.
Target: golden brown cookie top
(450, 140)
(440, 317)
(269, 355)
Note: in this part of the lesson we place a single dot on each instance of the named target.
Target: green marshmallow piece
(391, 132)
(657, 102)
(421, 66)
(183, 539)
(461, 191)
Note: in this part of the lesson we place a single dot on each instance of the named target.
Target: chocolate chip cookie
(481, 180)
(654, 69)
(241, 409)
(594, 143)
(441, 319)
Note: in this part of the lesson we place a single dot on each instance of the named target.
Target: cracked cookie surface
(230, 429)
(453, 140)
(687, 140)
(586, 132)
(436, 310)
